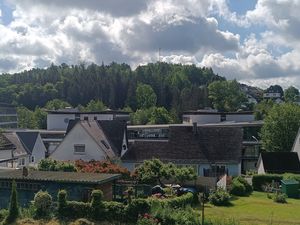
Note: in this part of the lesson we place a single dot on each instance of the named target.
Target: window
(86, 118)
(22, 161)
(95, 117)
(32, 159)
(79, 149)
(223, 117)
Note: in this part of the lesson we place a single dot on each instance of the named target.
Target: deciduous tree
(280, 127)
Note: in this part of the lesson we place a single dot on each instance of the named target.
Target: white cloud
(132, 31)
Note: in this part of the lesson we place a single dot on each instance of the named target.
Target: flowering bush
(101, 167)
(147, 219)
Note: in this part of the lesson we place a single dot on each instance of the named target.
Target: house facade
(21, 148)
(92, 140)
(211, 151)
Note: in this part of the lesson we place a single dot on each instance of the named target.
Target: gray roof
(54, 176)
(14, 139)
(206, 145)
(28, 139)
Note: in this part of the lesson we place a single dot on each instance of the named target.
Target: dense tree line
(153, 89)
(176, 86)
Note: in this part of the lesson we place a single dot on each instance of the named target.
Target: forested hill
(177, 87)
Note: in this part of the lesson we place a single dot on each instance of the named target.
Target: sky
(256, 42)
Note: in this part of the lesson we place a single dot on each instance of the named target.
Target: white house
(59, 119)
(210, 151)
(92, 140)
(21, 148)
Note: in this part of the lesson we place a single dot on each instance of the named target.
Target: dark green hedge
(259, 180)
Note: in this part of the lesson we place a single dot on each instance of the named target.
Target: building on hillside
(278, 162)
(78, 185)
(21, 148)
(8, 116)
(211, 151)
(213, 116)
(92, 140)
(59, 119)
(273, 95)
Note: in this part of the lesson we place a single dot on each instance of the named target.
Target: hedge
(259, 180)
(114, 211)
(176, 202)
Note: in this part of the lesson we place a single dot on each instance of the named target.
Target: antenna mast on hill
(159, 54)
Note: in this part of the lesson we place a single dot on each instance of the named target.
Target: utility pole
(203, 208)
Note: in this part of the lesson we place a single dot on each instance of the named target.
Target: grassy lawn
(258, 210)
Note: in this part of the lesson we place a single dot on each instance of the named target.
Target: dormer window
(79, 149)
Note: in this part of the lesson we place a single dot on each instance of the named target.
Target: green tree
(40, 117)
(13, 211)
(160, 115)
(183, 174)
(26, 118)
(153, 171)
(95, 106)
(291, 94)
(145, 96)
(280, 127)
(226, 95)
(57, 104)
(262, 109)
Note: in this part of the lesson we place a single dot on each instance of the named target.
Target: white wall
(240, 117)
(216, 118)
(58, 121)
(296, 146)
(202, 119)
(260, 167)
(38, 152)
(65, 151)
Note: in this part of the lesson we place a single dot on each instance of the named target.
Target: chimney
(25, 171)
(195, 131)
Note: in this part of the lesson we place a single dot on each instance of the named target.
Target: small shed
(78, 185)
(290, 188)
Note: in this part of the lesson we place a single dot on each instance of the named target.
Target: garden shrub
(291, 176)
(219, 197)
(137, 207)
(259, 180)
(76, 210)
(42, 203)
(71, 209)
(147, 219)
(279, 198)
(247, 186)
(97, 207)
(181, 201)
(3, 214)
(62, 203)
(114, 211)
(240, 187)
(13, 210)
(173, 216)
(82, 221)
